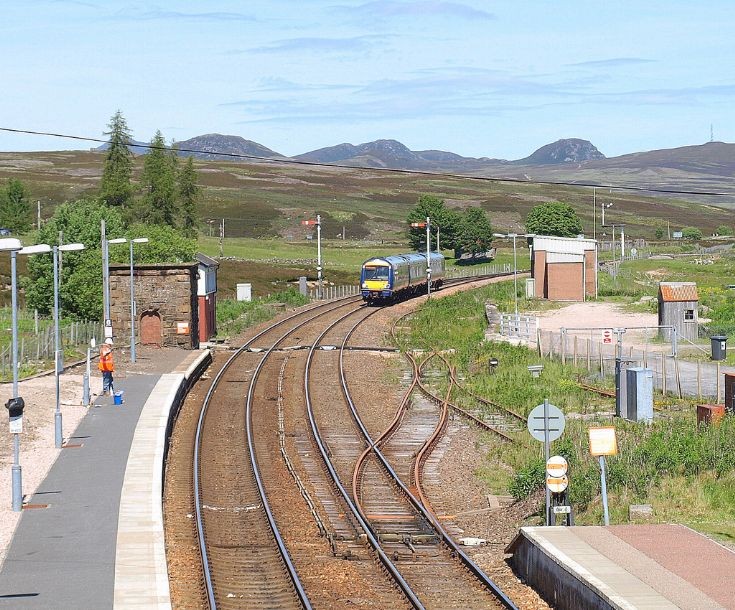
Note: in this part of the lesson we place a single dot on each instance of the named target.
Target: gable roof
(205, 260)
(672, 292)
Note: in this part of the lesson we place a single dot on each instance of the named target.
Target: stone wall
(168, 292)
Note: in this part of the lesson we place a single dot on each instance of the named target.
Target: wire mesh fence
(37, 341)
(671, 374)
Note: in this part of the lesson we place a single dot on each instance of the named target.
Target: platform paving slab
(63, 556)
(630, 567)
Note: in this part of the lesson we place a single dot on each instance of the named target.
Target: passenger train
(394, 277)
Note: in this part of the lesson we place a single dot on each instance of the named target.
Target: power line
(283, 161)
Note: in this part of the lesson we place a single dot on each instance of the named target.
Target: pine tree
(115, 187)
(188, 193)
(159, 205)
(15, 210)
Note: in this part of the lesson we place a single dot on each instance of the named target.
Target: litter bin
(719, 347)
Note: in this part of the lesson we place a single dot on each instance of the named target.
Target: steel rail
(367, 528)
(198, 439)
(471, 565)
(463, 412)
(428, 446)
(384, 437)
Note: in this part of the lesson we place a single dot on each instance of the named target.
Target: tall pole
(319, 252)
(132, 306)
(39, 214)
(105, 272)
(437, 239)
(594, 213)
(613, 243)
(603, 485)
(58, 430)
(515, 275)
(17, 474)
(428, 259)
(622, 242)
(221, 237)
(546, 456)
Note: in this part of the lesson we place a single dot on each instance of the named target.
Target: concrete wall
(556, 585)
(168, 290)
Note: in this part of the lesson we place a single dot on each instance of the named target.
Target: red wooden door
(150, 328)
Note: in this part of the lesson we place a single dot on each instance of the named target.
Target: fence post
(563, 345)
(663, 373)
(717, 382)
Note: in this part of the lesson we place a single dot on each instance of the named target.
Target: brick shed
(677, 306)
(563, 268)
(166, 304)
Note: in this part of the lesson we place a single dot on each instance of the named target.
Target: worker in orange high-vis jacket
(107, 366)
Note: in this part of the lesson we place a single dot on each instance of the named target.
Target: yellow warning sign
(603, 441)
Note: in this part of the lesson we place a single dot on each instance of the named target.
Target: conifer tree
(115, 187)
(188, 193)
(15, 210)
(159, 205)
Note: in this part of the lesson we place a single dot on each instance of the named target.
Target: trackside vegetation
(233, 316)
(687, 473)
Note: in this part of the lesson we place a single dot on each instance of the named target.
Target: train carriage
(390, 278)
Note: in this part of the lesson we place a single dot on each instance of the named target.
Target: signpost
(427, 224)
(546, 424)
(607, 336)
(603, 442)
(318, 223)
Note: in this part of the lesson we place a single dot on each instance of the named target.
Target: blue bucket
(118, 396)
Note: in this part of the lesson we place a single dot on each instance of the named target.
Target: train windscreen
(376, 273)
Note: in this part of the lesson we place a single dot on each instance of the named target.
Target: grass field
(266, 199)
(684, 472)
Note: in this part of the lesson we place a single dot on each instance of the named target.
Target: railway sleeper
(409, 539)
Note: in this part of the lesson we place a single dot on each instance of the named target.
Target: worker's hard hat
(108, 341)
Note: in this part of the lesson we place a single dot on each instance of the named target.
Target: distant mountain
(136, 147)
(212, 143)
(716, 158)
(394, 155)
(572, 150)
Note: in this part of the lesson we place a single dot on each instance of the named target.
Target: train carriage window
(376, 273)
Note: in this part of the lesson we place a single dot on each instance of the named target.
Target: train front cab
(376, 280)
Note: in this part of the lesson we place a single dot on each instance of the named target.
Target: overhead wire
(291, 161)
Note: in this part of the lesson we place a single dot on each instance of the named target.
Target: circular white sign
(557, 484)
(556, 466)
(555, 420)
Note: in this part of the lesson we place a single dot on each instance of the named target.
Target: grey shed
(677, 307)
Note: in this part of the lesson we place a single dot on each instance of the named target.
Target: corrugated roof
(672, 292)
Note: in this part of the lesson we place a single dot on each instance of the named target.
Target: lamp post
(515, 267)
(106, 263)
(515, 263)
(604, 206)
(137, 240)
(13, 245)
(58, 354)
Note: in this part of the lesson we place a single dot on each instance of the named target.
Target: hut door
(150, 328)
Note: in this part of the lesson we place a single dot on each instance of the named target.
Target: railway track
(437, 571)
(278, 533)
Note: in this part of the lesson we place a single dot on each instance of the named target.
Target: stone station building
(166, 304)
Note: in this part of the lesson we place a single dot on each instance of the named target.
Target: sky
(474, 77)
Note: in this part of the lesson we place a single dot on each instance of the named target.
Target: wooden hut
(677, 307)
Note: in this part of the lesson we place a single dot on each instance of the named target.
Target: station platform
(653, 567)
(91, 536)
